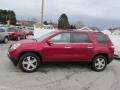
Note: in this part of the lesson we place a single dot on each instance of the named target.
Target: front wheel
(99, 63)
(29, 62)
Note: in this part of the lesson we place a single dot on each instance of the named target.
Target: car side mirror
(49, 42)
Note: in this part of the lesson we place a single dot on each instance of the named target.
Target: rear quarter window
(101, 38)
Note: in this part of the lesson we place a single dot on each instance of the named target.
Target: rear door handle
(89, 47)
(67, 47)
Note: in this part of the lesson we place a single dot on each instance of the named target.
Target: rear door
(82, 46)
(104, 44)
(60, 50)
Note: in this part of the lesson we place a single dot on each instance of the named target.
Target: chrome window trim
(72, 43)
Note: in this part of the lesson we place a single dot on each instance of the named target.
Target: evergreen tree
(72, 27)
(7, 15)
(63, 22)
(45, 23)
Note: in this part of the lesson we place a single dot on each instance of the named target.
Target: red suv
(63, 46)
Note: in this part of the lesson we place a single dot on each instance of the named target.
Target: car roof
(92, 32)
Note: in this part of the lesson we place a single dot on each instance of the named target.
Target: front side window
(61, 38)
(80, 38)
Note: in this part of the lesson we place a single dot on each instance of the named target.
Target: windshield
(45, 36)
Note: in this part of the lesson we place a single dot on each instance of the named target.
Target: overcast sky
(101, 13)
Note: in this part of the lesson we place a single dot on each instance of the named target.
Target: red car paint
(14, 33)
(50, 51)
(58, 52)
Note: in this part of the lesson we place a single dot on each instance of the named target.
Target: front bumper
(14, 60)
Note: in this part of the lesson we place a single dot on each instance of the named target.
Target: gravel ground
(57, 76)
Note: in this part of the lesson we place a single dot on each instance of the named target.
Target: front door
(60, 50)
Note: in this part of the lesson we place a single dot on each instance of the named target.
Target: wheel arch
(104, 54)
(7, 36)
(35, 52)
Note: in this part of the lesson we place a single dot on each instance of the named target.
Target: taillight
(113, 46)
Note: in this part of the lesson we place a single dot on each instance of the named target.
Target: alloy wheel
(29, 63)
(100, 63)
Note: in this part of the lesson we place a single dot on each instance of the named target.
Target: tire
(29, 62)
(5, 40)
(99, 63)
(18, 38)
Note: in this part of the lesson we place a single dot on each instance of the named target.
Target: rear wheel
(29, 62)
(6, 40)
(99, 63)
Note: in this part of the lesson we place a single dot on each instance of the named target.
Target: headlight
(15, 46)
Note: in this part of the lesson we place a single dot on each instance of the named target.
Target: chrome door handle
(67, 47)
(89, 47)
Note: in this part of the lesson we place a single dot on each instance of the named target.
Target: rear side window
(80, 38)
(103, 39)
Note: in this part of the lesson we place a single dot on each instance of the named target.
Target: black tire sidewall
(24, 56)
(94, 60)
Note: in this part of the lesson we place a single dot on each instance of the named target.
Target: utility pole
(42, 14)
